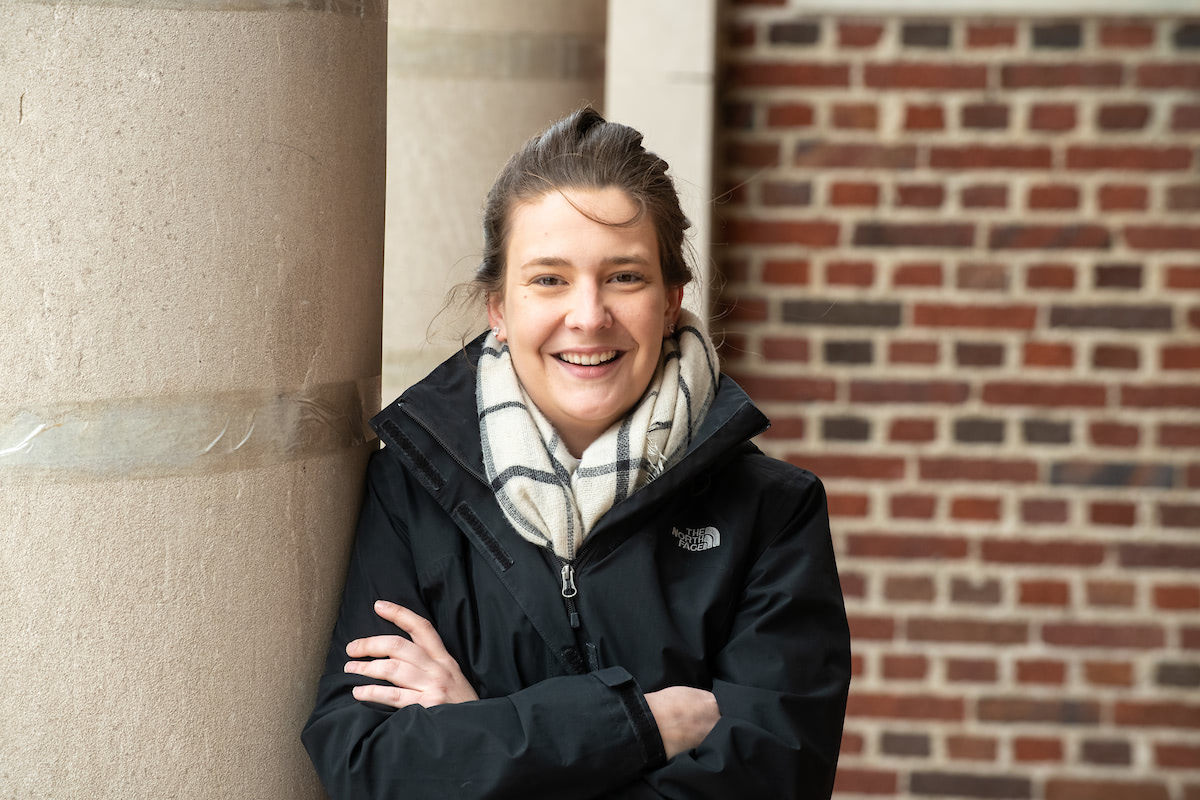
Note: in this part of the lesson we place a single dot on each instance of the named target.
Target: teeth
(588, 359)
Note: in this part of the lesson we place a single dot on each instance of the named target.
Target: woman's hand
(684, 716)
(421, 671)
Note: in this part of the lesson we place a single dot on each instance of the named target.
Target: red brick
(916, 234)
(1180, 357)
(790, 73)
(1060, 552)
(913, 352)
(753, 231)
(1048, 395)
(1162, 237)
(1008, 317)
(1050, 276)
(1183, 277)
(1115, 357)
(789, 272)
(1161, 396)
(747, 309)
(856, 116)
(785, 428)
(1055, 117)
(850, 466)
(920, 195)
(905, 706)
(920, 274)
(878, 628)
(1182, 75)
(859, 34)
(1177, 597)
(971, 670)
(1105, 789)
(1037, 510)
(1037, 748)
(790, 115)
(984, 277)
(1189, 637)
(847, 505)
(887, 545)
(984, 116)
(1141, 637)
(832, 155)
(796, 390)
(971, 748)
(924, 117)
(906, 588)
(1054, 197)
(1123, 514)
(973, 630)
(979, 509)
(1114, 434)
(752, 154)
(1143, 159)
(984, 196)
(1160, 714)
(984, 592)
(987, 34)
(1167, 556)
(952, 392)
(1183, 197)
(865, 781)
(741, 35)
(912, 506)
(1122, 116)
(1108, 673)
(1185, 117)
(1179, 515)
(1017, 709)
(925, 75)
(1178, 435)
(991, 470)
(1044, 593)
(1120, 197)
(852, 743)
(1133, 35)
(1055, 76)
(1044, 237)
(905, 668)
(858, 665)
(1041, 671)
(778, 348)
(980, 156)
(854, 194)
(1182, 756)
(1110, 594)
(854, 584)
(1049, 354)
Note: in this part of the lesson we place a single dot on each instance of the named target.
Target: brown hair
(584, 151)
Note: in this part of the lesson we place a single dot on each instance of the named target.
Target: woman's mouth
(588, 359)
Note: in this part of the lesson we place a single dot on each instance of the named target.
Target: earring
(496, 331)
(670, 329)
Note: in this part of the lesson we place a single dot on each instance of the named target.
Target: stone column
(191, 244)
(468, 82)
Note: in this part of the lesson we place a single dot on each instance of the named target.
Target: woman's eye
(626, 277)
(547, 280)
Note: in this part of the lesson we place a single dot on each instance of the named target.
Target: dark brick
(1185, 675)
(986, 116)
(795, 33)
(1081, 473)
(970, 354)
(1148, 318)
(976, 430)
(1167, 556)
(1115, 357)
(964, 590)
(952, 392)
(880, 234)
(1119, 276)
(1017, 709)
(917, 34)
(904, 744)
(1123, 117)
(1106, 751)
(818, 155)
(1187, 36)
(964, 784)
(785, 193)
(1041, 431)
(852, 429)
(737, 116)
(835, 312)
(1184, 197)
(1175, 515)
(1062, 35)
(849, 352)
(1049, 237)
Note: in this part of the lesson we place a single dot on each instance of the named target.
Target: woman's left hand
(421, 671)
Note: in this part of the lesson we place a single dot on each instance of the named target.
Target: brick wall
(963, 277)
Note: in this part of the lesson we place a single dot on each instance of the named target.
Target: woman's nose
(589, 310)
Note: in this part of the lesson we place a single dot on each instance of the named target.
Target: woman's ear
(674, 304)
(495, 315)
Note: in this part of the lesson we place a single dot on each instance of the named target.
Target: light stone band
(494, 55)
(364, 9)
(153, 437)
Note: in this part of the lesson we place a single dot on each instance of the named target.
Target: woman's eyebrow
(559, 261)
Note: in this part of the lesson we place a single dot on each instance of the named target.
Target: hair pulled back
(584, 151)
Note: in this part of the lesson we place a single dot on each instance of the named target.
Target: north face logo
(697, 538)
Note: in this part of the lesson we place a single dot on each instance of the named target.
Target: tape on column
(157, 436)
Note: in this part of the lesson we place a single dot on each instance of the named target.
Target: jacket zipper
(569, 590)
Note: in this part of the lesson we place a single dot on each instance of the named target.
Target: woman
(604, 589)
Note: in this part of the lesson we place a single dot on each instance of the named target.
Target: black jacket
(719, 575)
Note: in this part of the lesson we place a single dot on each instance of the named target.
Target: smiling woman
(574, 575)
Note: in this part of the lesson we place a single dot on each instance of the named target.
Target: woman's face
(584, 308)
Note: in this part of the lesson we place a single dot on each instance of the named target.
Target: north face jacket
(719, 574)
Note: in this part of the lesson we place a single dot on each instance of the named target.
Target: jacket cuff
(645, 729)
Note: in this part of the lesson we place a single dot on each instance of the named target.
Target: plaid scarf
(553, 499)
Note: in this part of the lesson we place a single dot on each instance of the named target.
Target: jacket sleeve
(781, 678)
(573, 736)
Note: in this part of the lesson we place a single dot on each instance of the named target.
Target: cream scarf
(553, 499)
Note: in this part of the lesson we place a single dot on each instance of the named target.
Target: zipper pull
(568, 581)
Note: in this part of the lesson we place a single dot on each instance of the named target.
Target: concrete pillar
(191, 244)
(468, 82)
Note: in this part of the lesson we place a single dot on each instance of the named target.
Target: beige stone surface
(192, 217)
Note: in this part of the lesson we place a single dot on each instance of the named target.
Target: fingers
(394, 696)
(420, 629)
